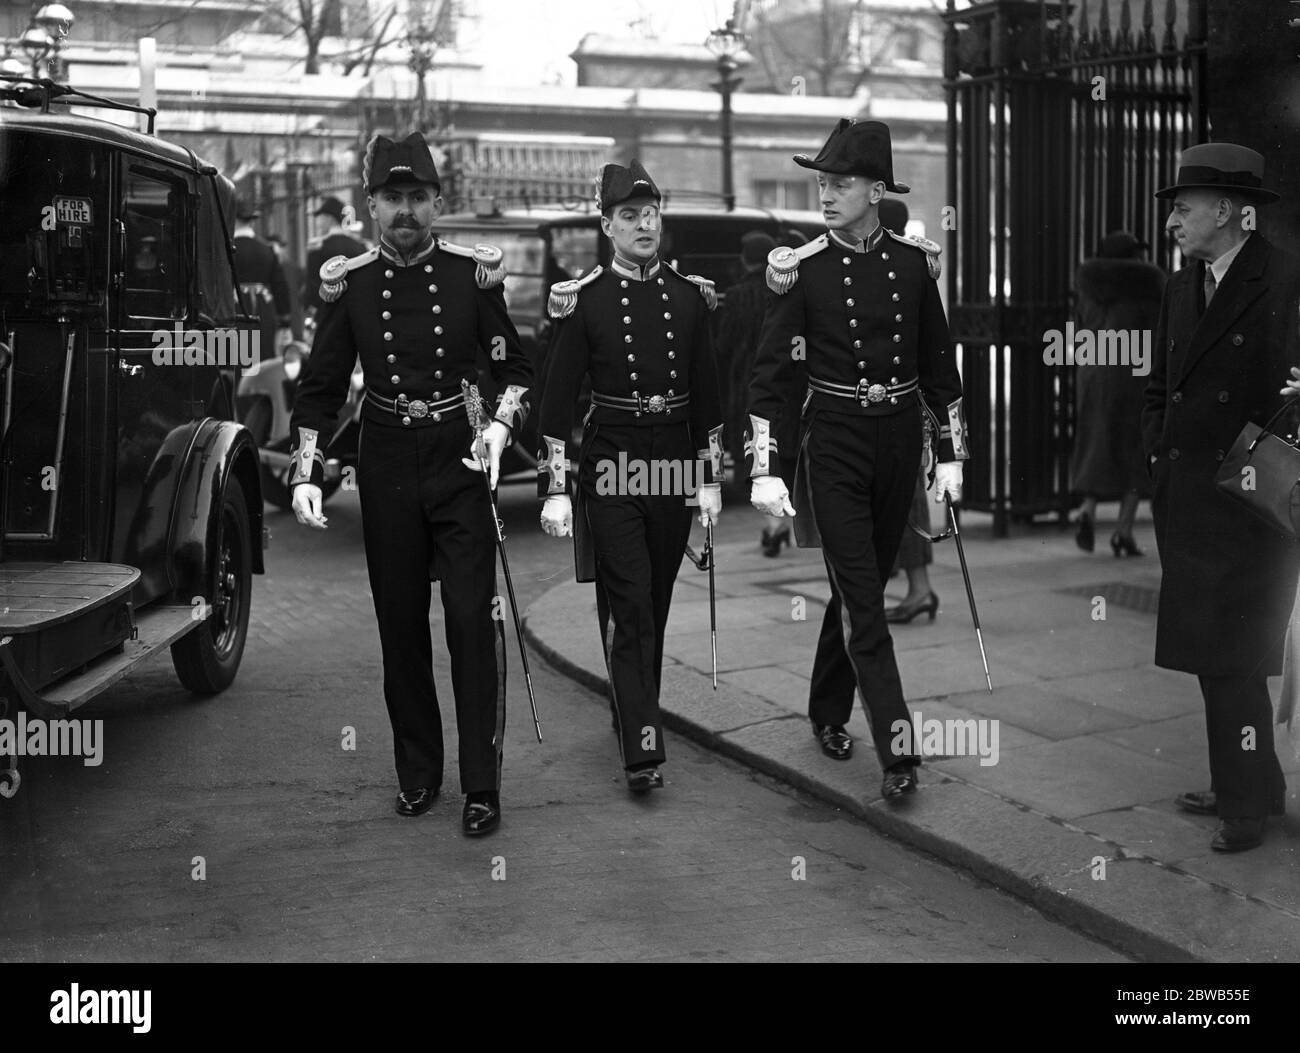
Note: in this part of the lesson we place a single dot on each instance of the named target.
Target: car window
(154, 213)
(53, 223)
(216, 284)
(525, 257)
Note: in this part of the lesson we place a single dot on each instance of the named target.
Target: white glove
(1291, 386)
(496, 439)
(947, 480)
(557, 515)
(307, 505)
(769, 495)
(709, 496)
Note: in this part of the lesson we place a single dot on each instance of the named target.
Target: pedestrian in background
(331, 240)
(1225, 339)
(293, 279)
(1117, 291)
(261, 278)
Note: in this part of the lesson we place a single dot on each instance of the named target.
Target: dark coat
(335, 244)
(1107, 460)
(1228, 579)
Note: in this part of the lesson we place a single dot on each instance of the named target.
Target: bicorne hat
(618, 184)
(857, 148)
(406, 162)
(1222, 166)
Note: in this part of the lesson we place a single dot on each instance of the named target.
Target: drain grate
(1143, 598)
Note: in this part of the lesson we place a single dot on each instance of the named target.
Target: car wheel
(207, 658)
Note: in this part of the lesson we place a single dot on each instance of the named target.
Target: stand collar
(637, 272)
(393, 254)
(848, 241)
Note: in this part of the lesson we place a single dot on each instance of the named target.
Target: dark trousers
(639, 541)
(861, 474)
(1248, 782)
(424, 514)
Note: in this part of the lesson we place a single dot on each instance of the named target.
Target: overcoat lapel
(1244, 283)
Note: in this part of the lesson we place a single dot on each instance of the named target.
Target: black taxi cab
(130, 503)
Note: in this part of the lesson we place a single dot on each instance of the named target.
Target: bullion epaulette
(491, 269)
(564, 295)
(783, 263)
(707, 287)
(334, 273)
(930, 248)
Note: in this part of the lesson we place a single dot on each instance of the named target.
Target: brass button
(862, 365)
(672, 354)
(388, 336)
(627, 339)
(848, 281)
(898, 338)
(627, 319)
(893, 400)
(386, 315)
(1176, 397)
(437, 416)
(428, 268)
(1223, 396)
(623, 283)
(849, 302)
(894, 297)
(440, 352)
(625, 301)
(1238, 339)
(437, 374)
(668, 315)
(664, 295)
(437, 308)
(659, 280)
(857, 343)
(672, 374)
(635, 376)
(437, 395)
(669, 335)
(437, 330)
(853, 323)
(388, 274)
(395, 378)
(631, 358)
(406, 420)
(892, 380)
(386, 294)
(892, 276)
(884, 255)
(392, 359)
(847, 261)
(898, 318)
(1174, 454)
(897, 360)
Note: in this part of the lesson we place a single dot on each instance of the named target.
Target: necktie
(1210, 286)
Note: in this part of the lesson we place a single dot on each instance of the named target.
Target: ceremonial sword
(705, 561)
(474, 411)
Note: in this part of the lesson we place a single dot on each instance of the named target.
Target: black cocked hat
(857, 148)
(408, 161)
(619, 184)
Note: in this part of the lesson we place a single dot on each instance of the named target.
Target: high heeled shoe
(773, 540)
(1084, 537)
(1123, 546)
(905, 612)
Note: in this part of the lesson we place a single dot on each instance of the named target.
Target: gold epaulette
(707, 287)
(491, 269)
(334, 273)
(930, 248)
(783, 263)
(564, 295)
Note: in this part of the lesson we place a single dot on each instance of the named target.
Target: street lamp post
(44, 38)
(725, 44)
(423, 42)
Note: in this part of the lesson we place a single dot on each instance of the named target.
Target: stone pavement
(1076, 816)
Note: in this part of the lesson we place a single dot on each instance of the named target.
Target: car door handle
(128, 370)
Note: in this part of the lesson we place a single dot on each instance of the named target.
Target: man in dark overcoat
(1226, 339)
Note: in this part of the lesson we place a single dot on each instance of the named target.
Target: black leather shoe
(772, 542)
(835, 741)
(482, 813)
(416, 802)
(1237, 835)
(900, 780)
(1198, 802)
(905, 612)
(644, 780)
(1084, 536)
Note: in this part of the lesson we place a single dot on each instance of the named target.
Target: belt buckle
(656, 404)
(416, 410)
(874, 392)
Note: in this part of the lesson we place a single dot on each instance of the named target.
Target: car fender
(221, 449)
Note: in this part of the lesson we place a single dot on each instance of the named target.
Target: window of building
(783, 193)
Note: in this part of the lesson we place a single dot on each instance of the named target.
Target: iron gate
(1059, 130)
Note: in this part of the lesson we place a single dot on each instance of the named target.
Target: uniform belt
(417, 409)
(865, 392)
(640, 404)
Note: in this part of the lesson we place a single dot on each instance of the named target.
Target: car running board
(156, 627)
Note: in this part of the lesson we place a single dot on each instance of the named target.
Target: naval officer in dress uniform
(858, 327)
(418, 310)
(651, 445)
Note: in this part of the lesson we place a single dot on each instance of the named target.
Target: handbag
(1262, 471)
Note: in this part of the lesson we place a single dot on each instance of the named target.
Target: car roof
(75, 126)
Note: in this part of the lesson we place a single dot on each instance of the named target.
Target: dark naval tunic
(859, 329)
(421, 327)
(641, 334)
